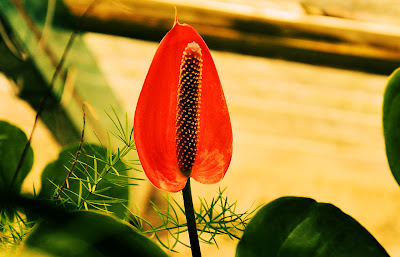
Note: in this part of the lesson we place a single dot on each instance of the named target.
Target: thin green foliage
(89, 184)
(13, 228)
(219, 217)
(89, 177)
(214, 218)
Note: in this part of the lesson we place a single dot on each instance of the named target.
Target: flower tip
(193, 49)
(176, 16)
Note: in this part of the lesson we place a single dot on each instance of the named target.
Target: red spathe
(155, 116)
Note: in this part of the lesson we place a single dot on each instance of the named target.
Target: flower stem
(191, 221)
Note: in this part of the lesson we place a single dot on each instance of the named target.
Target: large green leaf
(111, 192)
(302, 227)
(391, 123)
(12, 144)
(89, 234)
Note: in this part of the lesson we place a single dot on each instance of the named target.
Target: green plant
(83, 206)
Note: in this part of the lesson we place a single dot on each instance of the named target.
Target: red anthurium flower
(182, 127)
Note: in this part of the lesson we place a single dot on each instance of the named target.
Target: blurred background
(304, 83)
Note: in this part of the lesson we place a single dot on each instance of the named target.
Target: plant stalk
(190, 219)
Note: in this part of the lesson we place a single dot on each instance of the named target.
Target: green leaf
(89, 234)
(302, 227)
(12, 144)
(391, 123)
(85, 183)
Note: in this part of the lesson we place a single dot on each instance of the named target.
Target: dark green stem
(191, 221)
